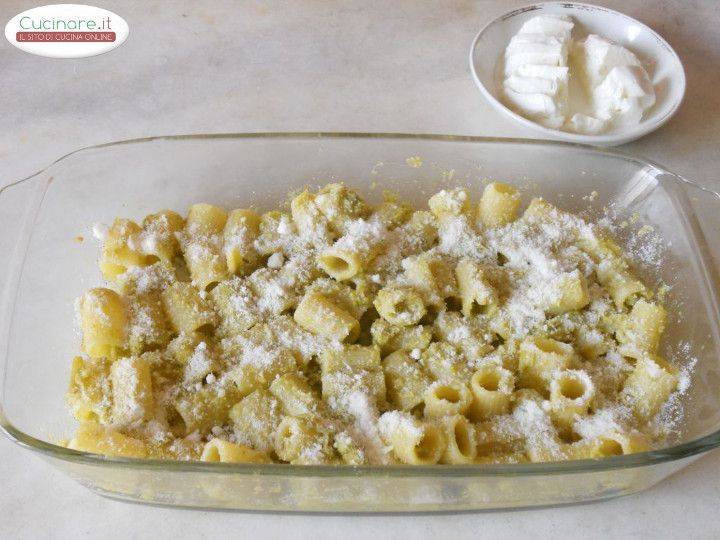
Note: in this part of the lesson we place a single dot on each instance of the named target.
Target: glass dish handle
(19, 203)
(705, 222)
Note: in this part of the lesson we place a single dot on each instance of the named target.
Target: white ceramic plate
(659, 59)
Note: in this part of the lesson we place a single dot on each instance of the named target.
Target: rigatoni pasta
(103, 320)
(239, 234)
(492, 388)
(318, 314)
(336, 332)
(201, 243)
(227, 452)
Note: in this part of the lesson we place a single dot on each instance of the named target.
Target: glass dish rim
(669, 454)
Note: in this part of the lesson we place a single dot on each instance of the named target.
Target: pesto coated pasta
(336, 332)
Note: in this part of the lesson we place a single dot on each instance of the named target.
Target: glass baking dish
(50, 259)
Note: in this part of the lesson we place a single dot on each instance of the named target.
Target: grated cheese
(527, 259)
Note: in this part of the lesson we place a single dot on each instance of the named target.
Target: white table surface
(194, 67)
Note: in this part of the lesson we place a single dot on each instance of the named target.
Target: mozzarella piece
(536, 70)
(514, 61)
(552, 122)
(629, 113)
(545, 39)
(537, 76)
(624, 95)
(547, 45)
(556, 73)
(533, 104)
(533, 85)
(551, 25)
(600, 56)
(629, 82)
(587, 125)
